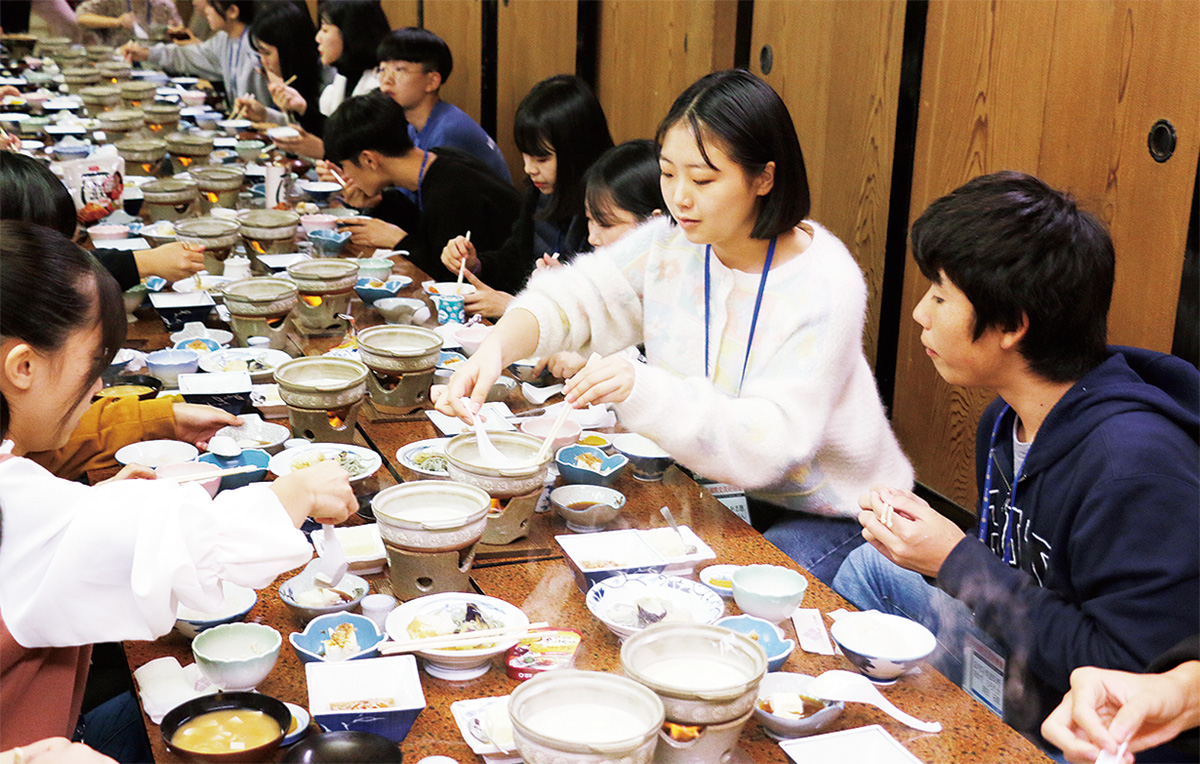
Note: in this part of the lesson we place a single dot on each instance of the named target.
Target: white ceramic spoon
(849, 687)
(331, 565)
(488, 453)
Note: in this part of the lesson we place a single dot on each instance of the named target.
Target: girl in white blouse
(82, 564)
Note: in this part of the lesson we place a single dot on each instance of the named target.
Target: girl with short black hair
(751, 316)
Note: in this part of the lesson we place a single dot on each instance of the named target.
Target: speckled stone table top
(545, 590)
(532, 574)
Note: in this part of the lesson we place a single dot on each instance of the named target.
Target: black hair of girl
(626, 177)
(49, 288)
(561, 115)
(747, 119)
(290, 30)
(362, 24)
(32, 193)
(247, 9)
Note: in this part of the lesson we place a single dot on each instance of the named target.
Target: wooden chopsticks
(459, 640)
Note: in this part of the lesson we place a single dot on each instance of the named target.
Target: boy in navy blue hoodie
(1093, 558)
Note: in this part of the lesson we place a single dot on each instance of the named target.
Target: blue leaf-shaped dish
(769, 637)
(308, 643)
(610, 469)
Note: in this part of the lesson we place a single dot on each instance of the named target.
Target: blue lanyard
(762, 286)
(421, 178)
(234, 56)
(985, 509)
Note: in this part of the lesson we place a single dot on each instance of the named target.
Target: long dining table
(532, 574)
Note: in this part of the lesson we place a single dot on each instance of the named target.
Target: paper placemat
(497, 419)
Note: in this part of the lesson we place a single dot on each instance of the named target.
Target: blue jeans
(818, 544)
(115, 729)
(873, 582)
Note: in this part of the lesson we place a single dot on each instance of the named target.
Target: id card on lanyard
(984, 667)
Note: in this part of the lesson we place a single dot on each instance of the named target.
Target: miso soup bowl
(226, 701)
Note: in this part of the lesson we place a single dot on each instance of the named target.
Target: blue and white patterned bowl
(880, 645)
(615, 600)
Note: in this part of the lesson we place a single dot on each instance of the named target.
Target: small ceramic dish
(329, 243)
(789, 687)
(156, 453)
(605, 471)
(540, 427)
(199, 345)
(719, 578)
(768, 636)
(595, 440)
(417, 457)
(108, 232)
(299, 726)
(378, 268)
(319, 190)
(449, 360)
(312, 643)
(353, 588)
(587, 508)
(249, 457)
(370, 290)
(167, 365)
(253, 432)
(239, 601)
(441, 288)
(283, 133)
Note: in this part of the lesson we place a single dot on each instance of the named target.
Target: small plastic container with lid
(542, 651)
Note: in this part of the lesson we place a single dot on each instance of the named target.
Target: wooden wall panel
(460, 24)
(837, 66)
(536, 40)
(651, 50)
(1067, 91)
(401, 13)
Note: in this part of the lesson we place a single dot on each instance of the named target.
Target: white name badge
(983, 674)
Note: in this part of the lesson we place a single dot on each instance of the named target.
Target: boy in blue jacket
(1087, 551)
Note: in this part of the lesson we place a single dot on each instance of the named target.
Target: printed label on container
(542, 651)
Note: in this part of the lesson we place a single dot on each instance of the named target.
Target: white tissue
(163, 684)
